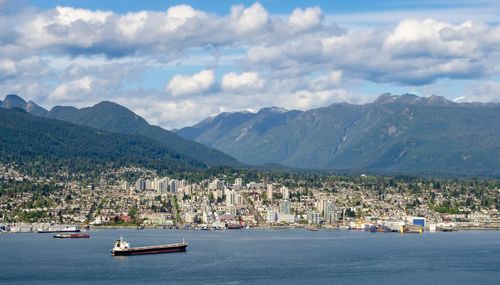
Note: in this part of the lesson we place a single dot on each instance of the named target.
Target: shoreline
(301, 227)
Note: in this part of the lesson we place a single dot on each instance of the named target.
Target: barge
(72, 236)
(122, 248)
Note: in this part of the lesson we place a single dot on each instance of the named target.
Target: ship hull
(72, 236)
(149, 250)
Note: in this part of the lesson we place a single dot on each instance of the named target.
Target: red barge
(72, 236)
(122, 248)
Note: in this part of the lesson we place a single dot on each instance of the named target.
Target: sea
(277, 256)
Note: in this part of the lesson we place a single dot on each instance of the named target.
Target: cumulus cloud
(197, 83)
(250, 19)
(68, 90)
(246, 81)
(303, 20)
(76, 56)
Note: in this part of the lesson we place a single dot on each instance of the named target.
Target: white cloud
(330, 80)
(69, 91)
(303, 20)
(246, 81)
(200, 82)
(7, 67)
(250, 19)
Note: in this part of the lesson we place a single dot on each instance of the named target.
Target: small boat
(234, 226)
(379, 229)
(72, 236)
(448, 229)
(122, 248)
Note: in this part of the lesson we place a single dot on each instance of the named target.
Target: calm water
(256, 257)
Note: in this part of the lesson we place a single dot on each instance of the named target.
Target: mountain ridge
(112, 117)
(394, 133)
(44, 146)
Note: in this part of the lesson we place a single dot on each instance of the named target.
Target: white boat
(68, 229)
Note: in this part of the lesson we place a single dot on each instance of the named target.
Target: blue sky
(177, 62)
(273, 6)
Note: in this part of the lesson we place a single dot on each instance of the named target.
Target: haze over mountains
(394, 134)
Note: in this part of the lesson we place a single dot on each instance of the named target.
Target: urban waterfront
(288, 256)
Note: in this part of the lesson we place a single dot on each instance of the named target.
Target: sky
(178, 62)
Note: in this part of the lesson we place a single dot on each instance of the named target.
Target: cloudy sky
(177, 62)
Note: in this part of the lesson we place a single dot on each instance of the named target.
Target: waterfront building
(286, 218)
(285, 206)
(313, 217)
(329, 212)
(272, 215)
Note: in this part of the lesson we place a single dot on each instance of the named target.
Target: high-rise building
(230, 198)
(238, 184)
(272, 216)
(329, 212)
(149, 184)
(239, 199)
(163, 186)
(285, 193)
(140, 184)
(173, 186)
(270, 192)
(216, 184)
(313, 217)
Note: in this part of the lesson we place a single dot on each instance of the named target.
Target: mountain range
(404, 134)
(42, 146)
(112, 117)
(395, 134)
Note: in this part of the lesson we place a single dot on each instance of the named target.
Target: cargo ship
(68, 229)
(72, 236)
(122, 248)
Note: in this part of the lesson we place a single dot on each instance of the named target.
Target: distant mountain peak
(273, 109)
(408, 98)
(434, 99)
(12, 101)
(109, 103)
(32, 108)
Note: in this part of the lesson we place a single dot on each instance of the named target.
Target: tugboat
(72, 236)
(122, 248)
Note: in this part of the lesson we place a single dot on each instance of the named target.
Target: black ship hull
(149, 250)
(58, 231)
